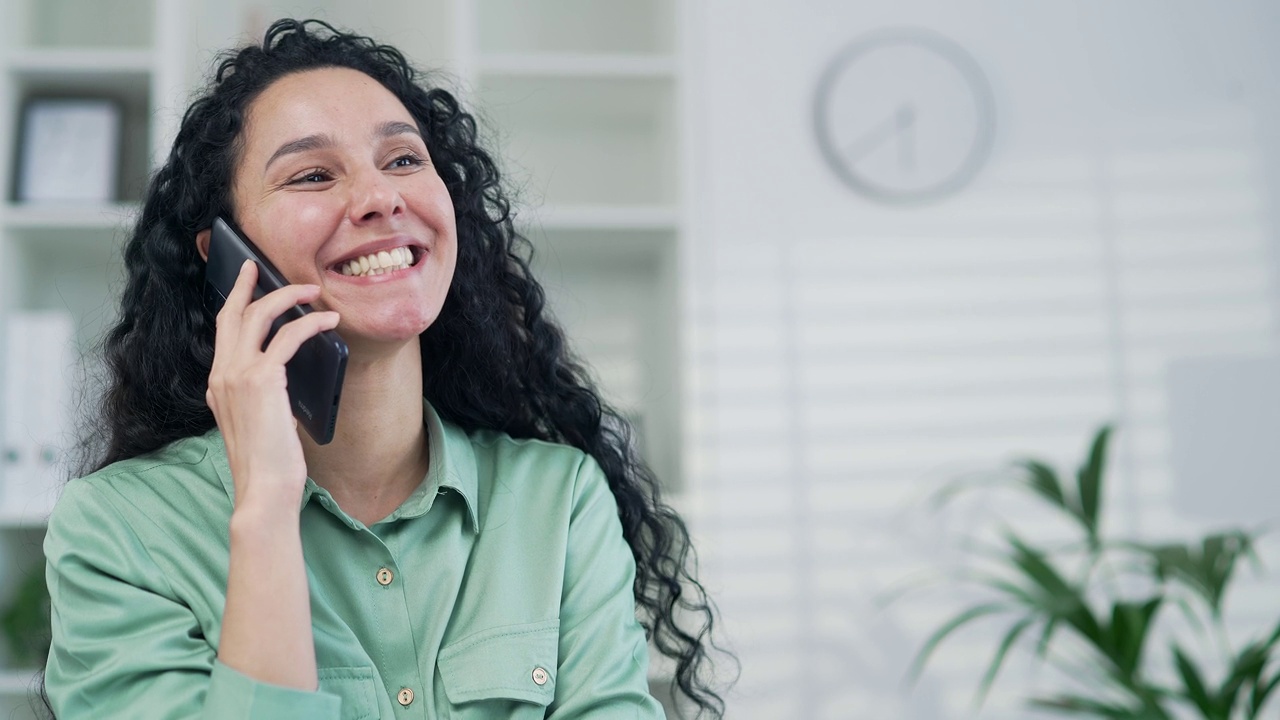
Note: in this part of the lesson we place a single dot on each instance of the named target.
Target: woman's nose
(373, 196)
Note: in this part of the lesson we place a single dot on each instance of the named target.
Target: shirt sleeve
(124, 645)
(604, 657)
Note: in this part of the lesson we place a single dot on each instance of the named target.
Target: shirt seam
(467, 643)
(134, 535)
(494, 437)
(577, 488)
(548, 689)
(132, 471)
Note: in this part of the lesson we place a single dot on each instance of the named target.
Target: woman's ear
(202, 243)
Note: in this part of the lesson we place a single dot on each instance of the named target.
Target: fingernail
(245, 265)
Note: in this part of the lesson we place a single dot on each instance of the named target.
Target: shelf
(124, 75)
(601, 217)
(578, 65)
(583, 252)
(79, 64)
(631, 26)
(39, 216)
(16, 682)
(80, 23)
(23, 521)
(586, 140)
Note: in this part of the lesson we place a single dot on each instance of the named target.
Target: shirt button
(405, 697)
(539, 676)
(385, 577)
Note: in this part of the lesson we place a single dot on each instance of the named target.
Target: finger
(295, 332)
(258, 317)
(227, 327)
(242, 291)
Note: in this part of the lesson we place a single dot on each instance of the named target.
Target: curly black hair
(493, 359)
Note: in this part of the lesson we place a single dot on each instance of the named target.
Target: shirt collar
(452, 465)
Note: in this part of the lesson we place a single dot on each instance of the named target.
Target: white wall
(848, 357)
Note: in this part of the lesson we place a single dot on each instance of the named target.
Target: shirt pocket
(507, 672)
(356, 686)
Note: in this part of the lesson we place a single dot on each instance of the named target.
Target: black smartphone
(315, 373)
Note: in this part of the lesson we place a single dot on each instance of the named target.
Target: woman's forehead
(325, 100)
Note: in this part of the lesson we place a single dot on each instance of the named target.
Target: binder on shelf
(69, 151)
(16, 456)
(38, 363)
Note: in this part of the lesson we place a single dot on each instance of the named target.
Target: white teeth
(379, 263)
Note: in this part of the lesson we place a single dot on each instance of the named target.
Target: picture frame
(69, 150)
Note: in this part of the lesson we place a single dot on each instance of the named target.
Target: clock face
(904, 116)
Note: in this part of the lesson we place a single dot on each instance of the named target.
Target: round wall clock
(904, 116)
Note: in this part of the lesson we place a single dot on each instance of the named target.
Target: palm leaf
(1058, 598)
(1044, 482)
(1127, 634)
(1205, 569)
(993, 669)
(1219, 556)
(952, 625)
(1089, 481)
(1079, 705)
(1262, 687)
(1196, 690)
(1261, 691)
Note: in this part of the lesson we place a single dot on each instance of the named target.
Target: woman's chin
(392, 332)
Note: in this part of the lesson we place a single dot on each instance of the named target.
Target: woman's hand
(266, 626)
(248, 389)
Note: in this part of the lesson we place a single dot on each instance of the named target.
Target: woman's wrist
(266, 511)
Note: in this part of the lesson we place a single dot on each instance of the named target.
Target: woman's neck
(378, 455)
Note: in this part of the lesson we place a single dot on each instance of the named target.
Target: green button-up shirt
(501, 588)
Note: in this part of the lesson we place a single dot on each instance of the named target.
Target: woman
(479, 538)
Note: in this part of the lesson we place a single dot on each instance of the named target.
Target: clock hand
(870, 140)
(901, 125)
(905, 120)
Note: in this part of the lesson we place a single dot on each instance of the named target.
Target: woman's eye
(405, 161)
(315, 176)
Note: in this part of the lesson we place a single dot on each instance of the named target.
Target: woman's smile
(383, 262)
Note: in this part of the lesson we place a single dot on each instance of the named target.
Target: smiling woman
(478, 540)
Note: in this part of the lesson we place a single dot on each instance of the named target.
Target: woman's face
(336, 187)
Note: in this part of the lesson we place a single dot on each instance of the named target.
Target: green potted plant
(1109, 594)
(25, 622)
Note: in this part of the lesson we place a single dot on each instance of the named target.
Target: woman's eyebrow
(310, 142)
(397, 127)
(387, 129)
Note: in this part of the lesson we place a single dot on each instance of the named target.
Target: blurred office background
(832, 256)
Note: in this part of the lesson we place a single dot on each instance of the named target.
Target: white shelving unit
(64, 256)
(582, 97)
